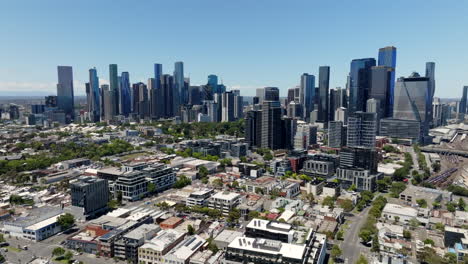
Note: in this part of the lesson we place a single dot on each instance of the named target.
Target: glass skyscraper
(125, 94)
(324, 87)
(65, 95)
(114, 87)
(179, 84)
(360, 82)
(387, 57)
(95, 94)
(307, 94)
(462, 109)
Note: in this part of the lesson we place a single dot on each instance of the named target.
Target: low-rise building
(224, 238)
(182, 253)
(269, 230)
(414, 193)
(399, 213)
(224, 201)
(199, 198)
(127, 246)
(171, 222)
(152, 251)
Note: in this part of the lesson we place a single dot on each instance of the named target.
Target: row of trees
(369, 231)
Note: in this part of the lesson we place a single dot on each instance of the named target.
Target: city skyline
(240, 57)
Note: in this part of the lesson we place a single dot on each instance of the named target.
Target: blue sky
(248, 44)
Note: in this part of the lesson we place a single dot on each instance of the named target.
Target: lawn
(14, 249)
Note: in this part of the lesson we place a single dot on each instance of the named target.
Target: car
(4, 244)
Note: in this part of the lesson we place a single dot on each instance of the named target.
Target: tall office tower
(178, 85)
(108, 102)
(50, 101)
(158, 72)
(253, 127)
(91, 194)
(363, 158)
(255, 100)
(324, 86)
(413, 101)
(437, 108)
(373, 106)
(65, 95)
(167, 94)
(212, 110)
(260, 94)
(306, 135)
(362, 129)
(430, 73)
(270, 94)
(291, 92)
(336, 134)
(387, 57)
(340, 100)
(143, 101)
(88, 100)
(360, 83)
(125, 94)
(213, 83)
(307, 94)
(271, 125)
(380, 89)
(227, 107)
(238, 106)
(341, 114)
(218, 99)
(194, 95)
(462, 109)
(94, 107)
(114, 87)
(294, 110)
(332, 105)
(290, 127)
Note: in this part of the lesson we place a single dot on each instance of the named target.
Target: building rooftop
(188, 247)
(163, 240)
(269, 247)
(228, 235)
(401, 210)
(142, 231)
(270, 226)
(226, 195)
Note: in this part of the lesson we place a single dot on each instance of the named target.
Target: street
(351, 245)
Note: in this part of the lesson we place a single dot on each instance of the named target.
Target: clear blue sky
(247, 43)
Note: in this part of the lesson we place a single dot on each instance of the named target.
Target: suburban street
(351, 245)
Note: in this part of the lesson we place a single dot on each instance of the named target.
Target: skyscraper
(307, 94)
(381, 89)
(253, 127)
(108, 102)
(213, 83)
(158, 72)
(125, 94)
(270, 94)
(155, 93)
(227, 107)
(360, 82)
(335, 134)
(362, 129)
(114, 87)
(324, 84)
(179, 94)
(167, 94)
(387, 57)
(65, 95)
(94, 107)
(462, 109)
(413, 101)
(430, 73)
(271, 130)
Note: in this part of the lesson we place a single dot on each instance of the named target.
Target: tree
(2, 239)
(428, 241)
(202, 171)
(253, 214)
(366, 236)
(450, 258)
(422, 203)
(218, 183)
(381, 186)
(335, 252)
(163, 205)
(66, 221)
(190, 230)
(413, 222)
(440, 227)
(268, 156)
(461, 204)
(119, 197)
(451, 207)
(340, 235)
(151, 187)
(362, 260)
(397, 188)
(375, 244)
(329, 201)
(347, 205)
(235, 184)
(58, 251)
(407, 234)
(181, 182)
(397, 219)
(68, 255)
(234, 215)
(352, 188)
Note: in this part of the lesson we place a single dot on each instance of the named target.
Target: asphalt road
(351, 245)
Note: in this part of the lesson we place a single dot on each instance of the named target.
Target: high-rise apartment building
(91, 194)
(324, 87)
(381, 89)
(430, 73)
(336, 135)
(179, 86)
(362, 129)
(94, 102)
(271, 125)
(227, 107)
(65, 93)
(462, 109)
(114, 87)
(125, 94)
(307, 94)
